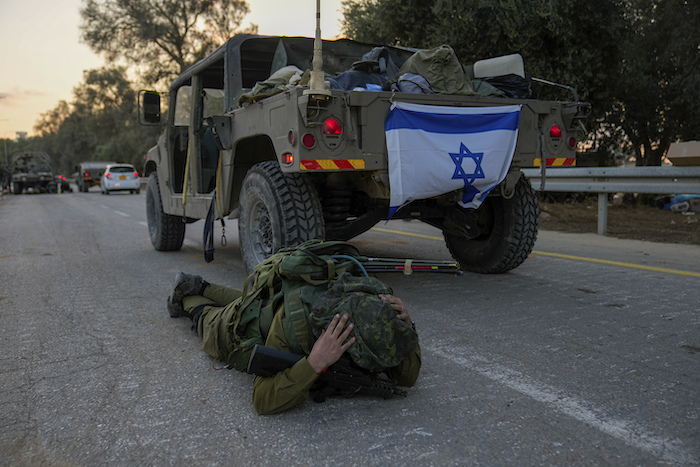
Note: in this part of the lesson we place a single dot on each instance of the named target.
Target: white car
(120, 177)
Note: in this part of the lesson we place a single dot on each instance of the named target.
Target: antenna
(318, 88)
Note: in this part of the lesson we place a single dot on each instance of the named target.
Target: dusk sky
(42, 58)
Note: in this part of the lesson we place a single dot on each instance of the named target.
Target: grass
(637, 222)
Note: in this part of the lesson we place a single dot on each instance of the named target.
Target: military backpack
(310, 283)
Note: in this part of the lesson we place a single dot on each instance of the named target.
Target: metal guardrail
(604, 180)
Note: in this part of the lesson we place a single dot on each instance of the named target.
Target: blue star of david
(469, 191)
(457, 158)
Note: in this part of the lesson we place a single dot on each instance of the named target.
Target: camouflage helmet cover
(382, 341)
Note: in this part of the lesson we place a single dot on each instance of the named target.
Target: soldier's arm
(287, 388)
(291, 386)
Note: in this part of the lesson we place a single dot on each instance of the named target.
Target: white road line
(631, 433)
(122, 213)
(143, 223)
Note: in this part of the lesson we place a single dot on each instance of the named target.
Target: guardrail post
(602, 213)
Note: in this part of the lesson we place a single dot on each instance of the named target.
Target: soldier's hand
(332, 343)
(398, 305)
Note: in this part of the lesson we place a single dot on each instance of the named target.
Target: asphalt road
(587, 354)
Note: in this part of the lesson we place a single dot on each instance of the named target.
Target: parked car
(120, 177)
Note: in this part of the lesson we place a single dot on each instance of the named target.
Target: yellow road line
(619, 263)
(409, 234)
(559, 255)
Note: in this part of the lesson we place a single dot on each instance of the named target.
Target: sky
(42, 58)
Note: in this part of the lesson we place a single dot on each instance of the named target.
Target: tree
(574, 42)
(159, 38)
(100, 123)
(635, 61)
(395, 22)
(659, 85)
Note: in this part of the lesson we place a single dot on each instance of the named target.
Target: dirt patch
(637, 222)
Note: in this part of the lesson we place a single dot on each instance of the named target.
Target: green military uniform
(288, 388)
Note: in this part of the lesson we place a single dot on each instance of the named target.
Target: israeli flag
(436, 149)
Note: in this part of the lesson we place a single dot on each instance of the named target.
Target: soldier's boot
(183, 286)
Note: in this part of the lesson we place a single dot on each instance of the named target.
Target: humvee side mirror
(149, 103)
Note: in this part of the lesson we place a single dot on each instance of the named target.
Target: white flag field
(435, 149)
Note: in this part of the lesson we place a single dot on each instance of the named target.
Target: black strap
(208, 237)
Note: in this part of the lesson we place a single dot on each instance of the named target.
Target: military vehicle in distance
(89, 174)
(31, 170)
(305, 161)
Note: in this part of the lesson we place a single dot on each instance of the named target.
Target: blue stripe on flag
(451, 123)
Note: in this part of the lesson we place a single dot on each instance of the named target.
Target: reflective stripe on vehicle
(332, 164)
(556, 161)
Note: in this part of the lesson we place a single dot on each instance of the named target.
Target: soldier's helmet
(382, 341)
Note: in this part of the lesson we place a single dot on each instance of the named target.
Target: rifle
(409, 266)
(342, 377)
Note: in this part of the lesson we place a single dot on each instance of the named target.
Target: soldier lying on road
(376, 331)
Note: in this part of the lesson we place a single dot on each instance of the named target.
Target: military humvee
(31, 170)
(89, 174)
(302, 163)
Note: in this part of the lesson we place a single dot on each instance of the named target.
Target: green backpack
(294, 277)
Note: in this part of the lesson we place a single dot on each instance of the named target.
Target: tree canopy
(635, 61)
(100, 123)
(659, 83)
(159, 38)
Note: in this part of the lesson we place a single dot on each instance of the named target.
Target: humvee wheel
(167, 232)
(508, 233)
(276, 210)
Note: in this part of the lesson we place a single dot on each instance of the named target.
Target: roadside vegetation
(626, 220)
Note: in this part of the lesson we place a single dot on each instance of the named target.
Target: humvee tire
(509, 230)
(276, 210)
(167, 232)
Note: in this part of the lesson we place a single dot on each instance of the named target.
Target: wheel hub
(262, 235)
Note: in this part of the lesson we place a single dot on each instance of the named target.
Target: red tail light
(332, 126)
(555, 131)
(572, 142)
(87, 175)
(107, 175)
(136, 174)
(308, 141)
